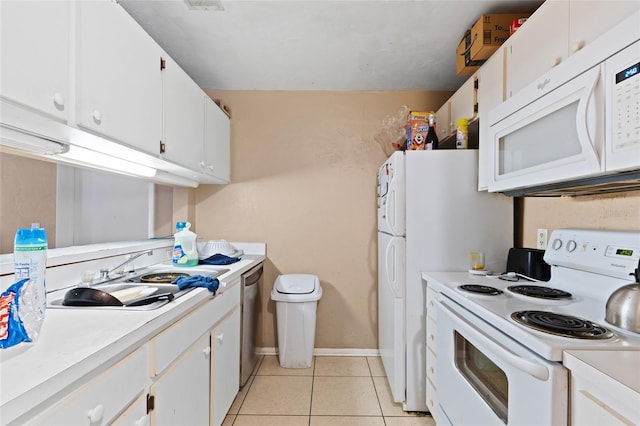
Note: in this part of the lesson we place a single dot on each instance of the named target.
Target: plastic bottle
(30, 261)
(185, 252)
(462, 135)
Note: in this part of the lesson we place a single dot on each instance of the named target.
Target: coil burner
(561, 325)
(480, 289)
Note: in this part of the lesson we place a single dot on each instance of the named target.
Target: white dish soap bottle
(185, 252)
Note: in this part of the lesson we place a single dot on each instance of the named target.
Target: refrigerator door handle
(394, 258)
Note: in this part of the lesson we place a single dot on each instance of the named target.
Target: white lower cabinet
(104, 398)
(181, 394)
(225, 365)
(187, 374)
(432, 317)
(597, 396)
(195, 364)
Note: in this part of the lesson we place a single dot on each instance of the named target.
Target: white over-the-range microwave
(576, 130)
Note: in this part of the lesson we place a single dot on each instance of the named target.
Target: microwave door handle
(582, 121)
(538, 371)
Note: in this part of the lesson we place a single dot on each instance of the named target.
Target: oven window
(487, 378)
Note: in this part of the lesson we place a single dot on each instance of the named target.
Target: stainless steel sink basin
(137, 289)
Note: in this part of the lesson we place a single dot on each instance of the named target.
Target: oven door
(538, 138)
(485, 377)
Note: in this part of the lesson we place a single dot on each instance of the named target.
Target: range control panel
(614, 253)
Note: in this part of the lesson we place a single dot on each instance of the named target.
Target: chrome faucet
(104, 273)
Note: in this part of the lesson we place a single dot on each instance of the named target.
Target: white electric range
(499, 352)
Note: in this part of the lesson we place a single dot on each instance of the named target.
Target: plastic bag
(21, 314)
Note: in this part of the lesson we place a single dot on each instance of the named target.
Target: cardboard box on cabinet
(464, 64)
(485, 37)
(489, 32)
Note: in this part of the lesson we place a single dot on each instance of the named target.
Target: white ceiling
(317, 45)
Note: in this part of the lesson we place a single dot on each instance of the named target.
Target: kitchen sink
(143, 291)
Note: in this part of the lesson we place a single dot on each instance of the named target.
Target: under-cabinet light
(95, 159)
(172, 179)
(29, 142)
(204, 5)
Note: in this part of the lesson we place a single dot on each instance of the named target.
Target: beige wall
(27, 194)
(304, 181)
(619, 211)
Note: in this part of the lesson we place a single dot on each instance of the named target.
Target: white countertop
(75, 342)
(621, 366)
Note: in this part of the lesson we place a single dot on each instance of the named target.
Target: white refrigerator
(430, 218)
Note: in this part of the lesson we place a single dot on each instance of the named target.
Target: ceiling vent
(204, 5)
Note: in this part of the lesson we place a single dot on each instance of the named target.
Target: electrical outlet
(541, 238)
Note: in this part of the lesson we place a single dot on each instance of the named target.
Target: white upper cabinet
(557, 30)
(217, 142)
(590, 19)
(118, 77)
(183, 117)
(462, 104)
(34, 69)
(442, 120)
(490, 94)
(539, 45)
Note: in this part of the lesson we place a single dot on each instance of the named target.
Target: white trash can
(296, 297)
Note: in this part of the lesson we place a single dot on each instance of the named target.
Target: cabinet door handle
(207, 351)
(220, 337)
(97, 116)
(95, 415)
(142, 421)
(577, 45)
(556, 61)
(58, 100)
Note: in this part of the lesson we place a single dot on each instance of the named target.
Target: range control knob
(557, 243)
(571, 246)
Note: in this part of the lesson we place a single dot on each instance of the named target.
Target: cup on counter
(477, 262)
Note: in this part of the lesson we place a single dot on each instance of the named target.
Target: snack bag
(21, 315)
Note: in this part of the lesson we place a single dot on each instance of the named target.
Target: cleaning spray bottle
(185, 252)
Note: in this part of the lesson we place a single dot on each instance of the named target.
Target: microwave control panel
(626, 107)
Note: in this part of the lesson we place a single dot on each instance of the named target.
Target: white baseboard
(327, 352)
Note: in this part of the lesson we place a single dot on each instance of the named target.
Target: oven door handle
(533, 369)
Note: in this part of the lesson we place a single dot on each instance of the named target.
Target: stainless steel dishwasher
(251, 283)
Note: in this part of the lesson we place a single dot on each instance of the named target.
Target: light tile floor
(334, 391)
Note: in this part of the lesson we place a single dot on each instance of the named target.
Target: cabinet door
(35, 55)
(102, 399)
(462, 104)
(442, 120)
(183, 117)
(182, 393)
(225, 365)
(490, 94)
(217, 142)
(590, 19)
(539, 45)
(135, 415)
(119, 82)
